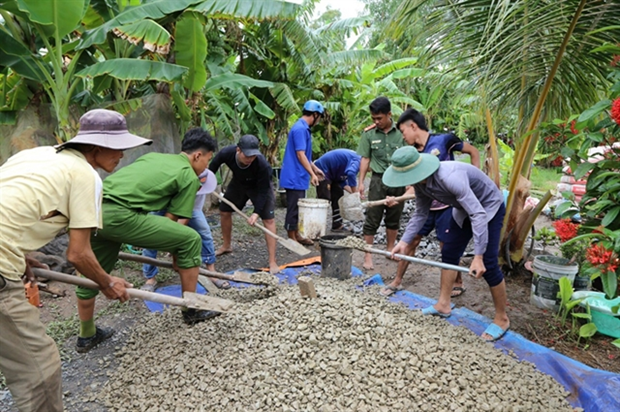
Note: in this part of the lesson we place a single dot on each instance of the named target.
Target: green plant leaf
(16, 55)
(583, 169)
(587, 331)
(62, 16)
(594, 111)
(234, 81)
(191, 50)
(566, 290)
(610, 216)
(582, 316)
(256, 9)
(616, 343)
(135, 69)
(154, 36)
(261, 108)
(610, 284)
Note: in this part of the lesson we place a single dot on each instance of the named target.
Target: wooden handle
(382, 201)
(164, 264)
(236, 209)
(87, 283)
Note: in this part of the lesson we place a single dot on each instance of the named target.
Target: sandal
(149, 287)
(457, 291)
(221, 283)
(390, 290)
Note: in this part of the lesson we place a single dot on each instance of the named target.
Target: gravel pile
(346, 350)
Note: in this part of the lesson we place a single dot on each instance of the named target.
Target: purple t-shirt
(468, 190)
(443, 146)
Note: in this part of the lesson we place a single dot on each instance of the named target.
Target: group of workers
(156, 203)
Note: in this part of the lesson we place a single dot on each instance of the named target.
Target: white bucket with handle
(312, 217)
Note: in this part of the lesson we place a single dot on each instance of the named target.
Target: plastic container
(605, 320)
(545, 282)
(336, 260)
(312, 217)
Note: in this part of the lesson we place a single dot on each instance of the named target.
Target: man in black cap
(251, 180)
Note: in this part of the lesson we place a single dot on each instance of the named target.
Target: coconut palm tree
(536, 58)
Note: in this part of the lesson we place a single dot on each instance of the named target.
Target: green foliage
(616, 343)
(546, 236)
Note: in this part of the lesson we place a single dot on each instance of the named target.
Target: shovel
(241, 277)
(416, 260)
(352, 208)
(290, 244)
(189, 300)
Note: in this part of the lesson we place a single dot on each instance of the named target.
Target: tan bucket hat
(105, 128)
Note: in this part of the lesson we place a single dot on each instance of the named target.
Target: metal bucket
(336, 260)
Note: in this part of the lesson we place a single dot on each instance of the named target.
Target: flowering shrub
(555, 134)
(565, 229)
(615, 111)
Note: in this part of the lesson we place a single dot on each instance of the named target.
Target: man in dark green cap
(477, 211)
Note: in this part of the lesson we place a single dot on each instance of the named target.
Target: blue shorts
(438, 220)
(458, 238)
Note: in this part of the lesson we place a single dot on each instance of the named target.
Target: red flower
(573, 128)
(598, 255)
(565, 229)
(615, 62)
(615, 111)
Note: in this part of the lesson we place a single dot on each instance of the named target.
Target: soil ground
(84, 374)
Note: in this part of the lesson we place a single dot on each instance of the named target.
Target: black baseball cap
(249, 145)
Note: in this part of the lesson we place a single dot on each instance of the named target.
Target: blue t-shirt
(443, 146)
(293, 175)
(340, 166)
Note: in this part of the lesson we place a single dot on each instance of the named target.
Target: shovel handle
(382, 201)
(236, 209)
(164, 264)
(87, 283)
(417, 260)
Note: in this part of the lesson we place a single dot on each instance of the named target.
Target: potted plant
(575, 252)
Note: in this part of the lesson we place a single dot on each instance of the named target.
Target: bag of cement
(351, 207)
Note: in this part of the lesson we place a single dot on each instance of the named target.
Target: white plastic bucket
(548, 270)
(312, 217)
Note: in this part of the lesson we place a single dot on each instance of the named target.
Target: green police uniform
(379, 146)
(153, 182)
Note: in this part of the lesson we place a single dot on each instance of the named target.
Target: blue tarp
(594, 390)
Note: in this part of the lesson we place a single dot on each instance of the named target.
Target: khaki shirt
(35, 183)
(379, 146)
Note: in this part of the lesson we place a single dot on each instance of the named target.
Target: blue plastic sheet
(594, 390)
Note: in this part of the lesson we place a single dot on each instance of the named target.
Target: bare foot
(274, 268)
(151, 281)
(223, 250)
(368, 265)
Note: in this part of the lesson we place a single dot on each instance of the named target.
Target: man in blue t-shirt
(297, 167)
(443, 145)
(340, 167)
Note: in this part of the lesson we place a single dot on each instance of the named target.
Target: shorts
(239, 196)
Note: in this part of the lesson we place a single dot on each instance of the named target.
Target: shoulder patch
(372, 126)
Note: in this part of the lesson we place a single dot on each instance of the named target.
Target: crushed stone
(346, 350)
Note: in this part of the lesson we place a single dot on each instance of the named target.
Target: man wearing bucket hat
(376, 145)
(198, 222)
(297, 167)
(155, 181)
(477, 211)
(415, 132)
(44, 191)
(251, 179)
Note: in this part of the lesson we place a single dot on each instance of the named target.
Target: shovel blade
(294, 246)
(204, 302)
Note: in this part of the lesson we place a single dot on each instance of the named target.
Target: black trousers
(332, 192)
(291, 221)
